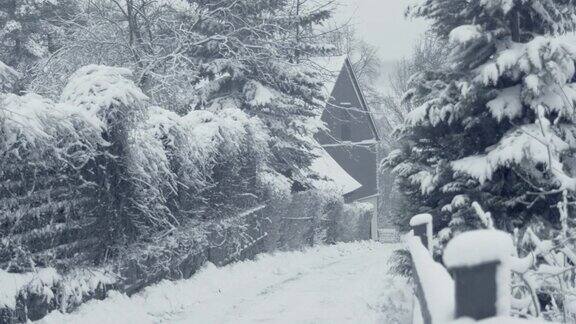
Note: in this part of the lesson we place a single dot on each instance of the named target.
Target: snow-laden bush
(32, 295)
(320, 216)
(106, 93)
(542, 266)
(213, 161)
(134, 170)
(543, 281)
(126, 192)
(43, 145)
(354, 222)
(216, 157)
(102, 178)
(153, 180)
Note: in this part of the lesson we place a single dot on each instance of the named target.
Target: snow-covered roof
(328, 168)
(329, 67)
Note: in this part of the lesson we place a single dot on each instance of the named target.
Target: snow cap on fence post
(479, 262)
(422, 227)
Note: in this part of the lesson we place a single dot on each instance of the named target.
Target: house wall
(344, 115)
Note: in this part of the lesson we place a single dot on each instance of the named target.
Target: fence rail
(475, 284)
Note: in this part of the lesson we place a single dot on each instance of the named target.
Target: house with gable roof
(351, 139)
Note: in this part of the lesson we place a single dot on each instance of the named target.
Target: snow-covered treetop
(501, 42)
(95, 88)
(540, 68)
(533, 17)
(504, 66)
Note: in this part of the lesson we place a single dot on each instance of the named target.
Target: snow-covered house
(351, 138)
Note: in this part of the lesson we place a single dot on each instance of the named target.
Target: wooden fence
(474, 284)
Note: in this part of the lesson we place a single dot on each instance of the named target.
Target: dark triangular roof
(330, 68)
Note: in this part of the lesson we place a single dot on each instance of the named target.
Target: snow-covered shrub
(543, 281)
(44, 145)
(542, 265)
(153, 180)
(206, 166)
(27, 295)
(119, 174)
(231, 148)
(81, 284)
(181, 252)
(105, 92)
(216, 157)
(318, 217)
(32, 295)
(354, 222)
(70, 170)
(276, 190)
(309, 219)
(173, 255)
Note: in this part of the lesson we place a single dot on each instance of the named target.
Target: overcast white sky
(382, 23)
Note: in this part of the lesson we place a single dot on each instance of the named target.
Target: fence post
(479, 262)
(422, 227)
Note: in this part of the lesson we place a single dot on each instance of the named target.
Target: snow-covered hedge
(354, 222)
(32, 295)
(101, 177)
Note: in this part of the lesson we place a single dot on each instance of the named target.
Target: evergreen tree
(303, 20)
(31, 30)
(249, 60)
(497, 125)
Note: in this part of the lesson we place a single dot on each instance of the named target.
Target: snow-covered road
(344, 283)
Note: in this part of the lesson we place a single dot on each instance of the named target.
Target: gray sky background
(382, 23)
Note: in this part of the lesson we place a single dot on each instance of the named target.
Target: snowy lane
(345, 283)
(339, 289)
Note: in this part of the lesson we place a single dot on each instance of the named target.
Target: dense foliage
(496, 125)
(140, 139)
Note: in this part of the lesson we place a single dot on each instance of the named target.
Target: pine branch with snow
(496, 125)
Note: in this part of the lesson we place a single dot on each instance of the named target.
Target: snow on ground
(343, 283)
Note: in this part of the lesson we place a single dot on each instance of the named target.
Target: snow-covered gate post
(422, 227)
(479, 262)
(433, 287)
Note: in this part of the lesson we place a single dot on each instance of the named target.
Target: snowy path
(345, 283)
